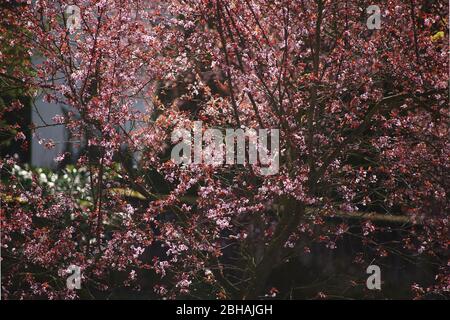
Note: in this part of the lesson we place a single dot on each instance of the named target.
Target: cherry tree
(363, 120)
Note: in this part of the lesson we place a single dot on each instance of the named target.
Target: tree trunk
(293, 211)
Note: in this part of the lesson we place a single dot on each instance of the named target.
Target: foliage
(363, 116)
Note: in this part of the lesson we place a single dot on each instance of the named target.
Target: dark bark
(293, 211)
